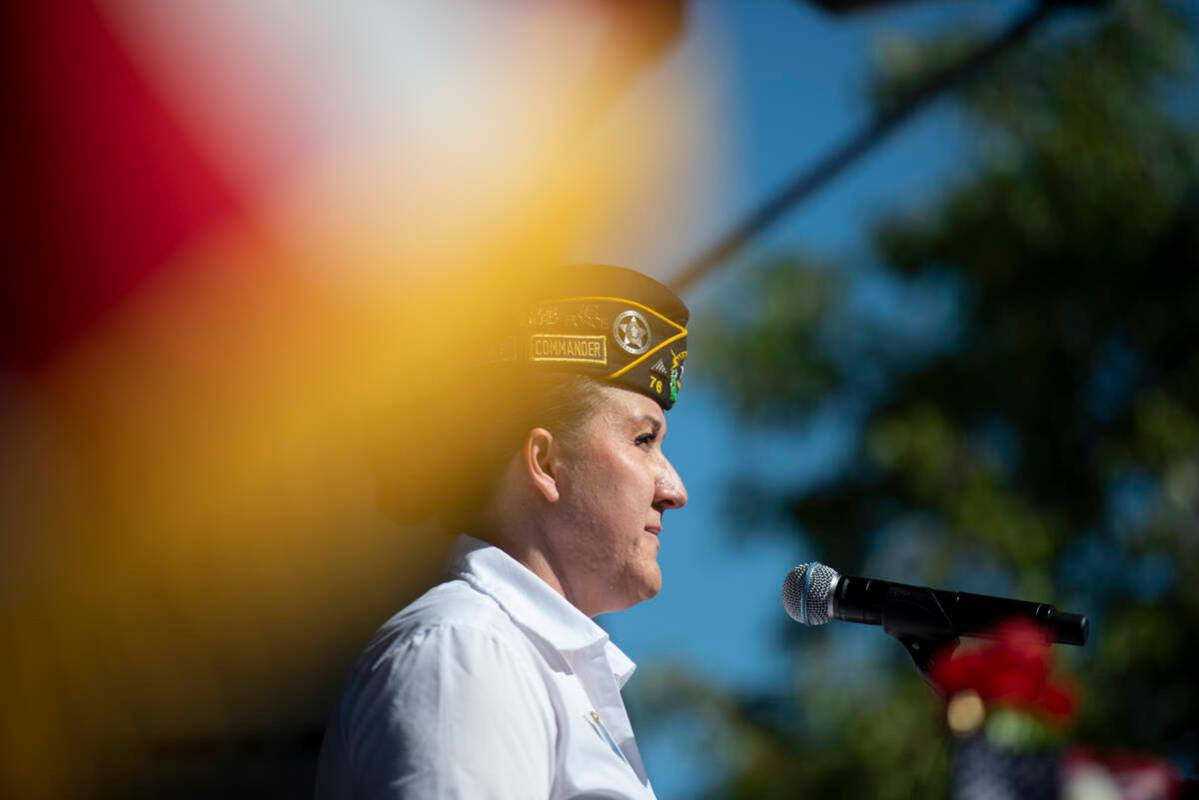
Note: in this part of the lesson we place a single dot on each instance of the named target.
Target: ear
(540, 453)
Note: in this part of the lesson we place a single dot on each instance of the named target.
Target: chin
(650, 584)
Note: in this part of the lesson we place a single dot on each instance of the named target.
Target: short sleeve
(449, 711)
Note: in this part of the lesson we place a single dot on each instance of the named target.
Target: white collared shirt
(490, 685)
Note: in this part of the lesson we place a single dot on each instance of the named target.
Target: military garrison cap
(610, 323)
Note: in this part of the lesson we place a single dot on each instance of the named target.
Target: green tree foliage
(1042, 439)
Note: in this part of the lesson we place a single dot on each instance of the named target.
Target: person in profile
(497, 683)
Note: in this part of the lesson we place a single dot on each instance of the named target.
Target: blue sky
(789, 84)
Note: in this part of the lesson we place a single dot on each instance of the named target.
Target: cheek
(630, 491)
(610, 518)
(613, 483)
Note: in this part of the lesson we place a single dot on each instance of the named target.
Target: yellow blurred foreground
(192, 547)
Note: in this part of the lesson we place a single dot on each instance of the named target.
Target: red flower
(1012, 671)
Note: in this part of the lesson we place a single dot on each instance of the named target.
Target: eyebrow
(651, 420)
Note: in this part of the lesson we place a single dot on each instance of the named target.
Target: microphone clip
(914, 617)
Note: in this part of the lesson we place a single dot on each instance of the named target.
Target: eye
(645, 439)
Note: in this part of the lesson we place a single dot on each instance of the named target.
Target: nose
(669, 491)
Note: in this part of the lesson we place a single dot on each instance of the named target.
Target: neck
(529, 545)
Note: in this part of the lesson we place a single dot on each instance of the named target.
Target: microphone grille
(806, 591)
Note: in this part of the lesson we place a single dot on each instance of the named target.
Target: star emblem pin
(631, 331)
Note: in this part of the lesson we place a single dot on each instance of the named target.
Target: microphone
(813, 594)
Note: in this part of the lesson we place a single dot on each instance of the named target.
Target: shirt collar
(532, 603)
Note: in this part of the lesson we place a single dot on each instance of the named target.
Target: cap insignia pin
(631, 332)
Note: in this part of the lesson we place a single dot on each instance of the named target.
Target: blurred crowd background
(943, 260)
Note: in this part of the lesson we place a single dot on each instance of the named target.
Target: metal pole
(807, 182)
